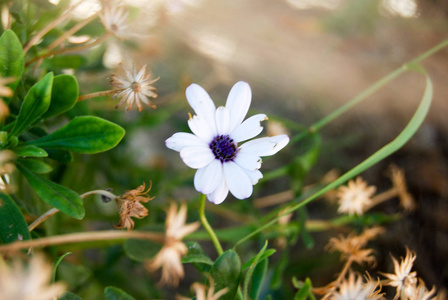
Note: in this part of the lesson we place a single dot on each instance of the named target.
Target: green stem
(366, 93)
(385, 151)
(207, 226)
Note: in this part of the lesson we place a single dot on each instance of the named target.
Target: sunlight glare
(308, 4)
(402, 8)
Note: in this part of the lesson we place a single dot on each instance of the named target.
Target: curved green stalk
(369, 91)
(397, 143)
(207, 226)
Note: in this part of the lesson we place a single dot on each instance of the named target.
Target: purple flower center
(223, 148)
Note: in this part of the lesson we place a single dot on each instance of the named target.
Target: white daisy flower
(134, 87)
(115, 18)
(213, 149)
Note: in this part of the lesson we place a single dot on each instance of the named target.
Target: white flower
(114, 18)
(355, 288)
(28, 282)
(356, 197)
(213, 149)
(134, 87)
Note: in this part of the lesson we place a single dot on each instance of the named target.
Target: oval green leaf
(11, 57)
(226, 272)
(70, 296)
(62, 156)
(64, 95)
(64, 62)
(35, 165)
(195, 254)
(12, 223)
(62, 198)
(113, 293)
(141, 250)
(85, 134)
(35, 104)
(30, 151)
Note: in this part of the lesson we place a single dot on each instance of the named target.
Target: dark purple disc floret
(223, 148)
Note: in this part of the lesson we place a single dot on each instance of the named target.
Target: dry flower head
(31, 282)
(130, 206)
(169, 257)
(6, 168)
(422, 293)
(202, 293)
(355, 197)
(399, 182)
(134, 87)
(355, 288)
(114, 17)
(403, 279)
(5, 91)
(352, 246)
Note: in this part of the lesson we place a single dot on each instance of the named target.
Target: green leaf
(12, 223)
(258, 278)
(56, 264)
(265, 254)
(305, 291)
(226, 272)
(113, 293)
(35, 165)
(64, 95)
(30, 151)
(195, 254)
(35, 104)
(62, 156)
(11, 57)
(85, 134)
(141, 250)
(70, 296)
(249, 273)
(54, 194)
(64, 62)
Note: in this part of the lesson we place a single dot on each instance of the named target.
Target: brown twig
(81, 47)
(71, 31)
(82, 237)
(49, 27)
(380, 198)
(97, 94)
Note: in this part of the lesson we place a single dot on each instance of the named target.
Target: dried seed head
(130, 206)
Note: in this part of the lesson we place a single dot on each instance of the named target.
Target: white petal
(196, 157)
(237, 180)
(254, 175)
(238, 103)
(265, 146)
(249, 128)
(222, 120)
(200, 128)
(202, 105)
(248, 161)
(207, 179)
(180, 140)
(220, 194)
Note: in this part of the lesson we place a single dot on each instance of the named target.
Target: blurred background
(303, 59)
